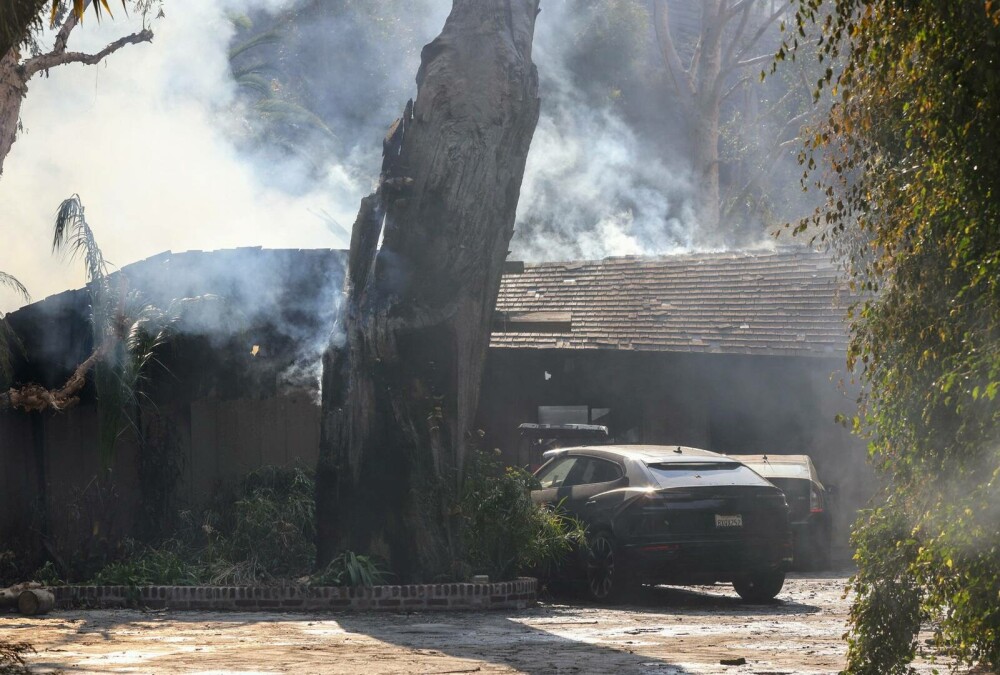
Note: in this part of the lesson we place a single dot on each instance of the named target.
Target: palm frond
(72, 234)
(241, 20)
(269, 37)
(11, 282)
(80, 6)
(254, 82)
(286, 111)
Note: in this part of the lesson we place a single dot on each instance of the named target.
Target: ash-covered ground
(668, 631)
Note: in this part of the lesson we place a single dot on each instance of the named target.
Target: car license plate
(729, 521)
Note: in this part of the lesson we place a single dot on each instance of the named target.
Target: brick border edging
(502, 595)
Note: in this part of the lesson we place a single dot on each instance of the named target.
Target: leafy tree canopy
(907, 159)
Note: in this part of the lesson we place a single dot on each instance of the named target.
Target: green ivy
(908, 164)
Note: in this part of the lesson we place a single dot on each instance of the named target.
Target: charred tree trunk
(13, 87)
(400, 394)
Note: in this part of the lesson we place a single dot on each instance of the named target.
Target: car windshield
(673, 474)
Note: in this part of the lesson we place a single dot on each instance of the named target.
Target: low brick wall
(504, 595)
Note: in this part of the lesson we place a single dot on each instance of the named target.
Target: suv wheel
(606, 581)
(760, 586)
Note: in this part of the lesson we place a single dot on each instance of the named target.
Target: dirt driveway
(671, 631)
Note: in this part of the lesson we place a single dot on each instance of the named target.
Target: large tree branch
(737, 34)
(749, 44)
(62, 37)
(683, 82)
(36, 398)
(58, 58)
(740, 6)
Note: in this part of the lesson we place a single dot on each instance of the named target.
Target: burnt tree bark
(400, 393)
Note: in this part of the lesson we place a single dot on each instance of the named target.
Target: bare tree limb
(727, 59)
(749, 44)
(767, 167)
(57, 58)
(62, 37)
(754, 61)
(681, 77)
(740, 6)
(735, 86)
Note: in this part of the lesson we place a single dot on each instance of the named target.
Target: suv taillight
(815, 500)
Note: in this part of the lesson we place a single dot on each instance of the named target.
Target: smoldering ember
(430, 336)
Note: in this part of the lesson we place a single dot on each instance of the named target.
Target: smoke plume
(151, 140)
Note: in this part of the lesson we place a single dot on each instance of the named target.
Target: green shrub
(261, 531)
(48, 575)
(504, 533)
(348, 569)
(274, 523)
(145, 566)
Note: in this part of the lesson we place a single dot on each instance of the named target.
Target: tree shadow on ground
(526, 641)
(530, 642)
(565, 634)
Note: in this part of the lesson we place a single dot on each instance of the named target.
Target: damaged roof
(783, 302)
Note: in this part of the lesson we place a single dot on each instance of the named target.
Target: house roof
(781, 302)
(766, 303)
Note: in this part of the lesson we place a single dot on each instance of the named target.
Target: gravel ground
(668, 631)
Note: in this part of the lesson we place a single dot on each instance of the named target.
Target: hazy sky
(142, 139)
(147, 139)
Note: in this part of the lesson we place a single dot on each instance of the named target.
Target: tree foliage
(504, 533)
(908, 164)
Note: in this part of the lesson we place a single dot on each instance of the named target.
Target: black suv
(669, 515)
(808, 502)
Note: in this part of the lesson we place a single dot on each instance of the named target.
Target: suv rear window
(673, 474)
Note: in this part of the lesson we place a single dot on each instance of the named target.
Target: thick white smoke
(592, 188)
(150, 139)
(146, 139)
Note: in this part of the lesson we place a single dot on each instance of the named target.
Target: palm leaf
(73, 234)
(286, 111)
(254, 82)
(269, 37)
(241, 20)
(80, 6)
(11, 282)
(9, 341)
